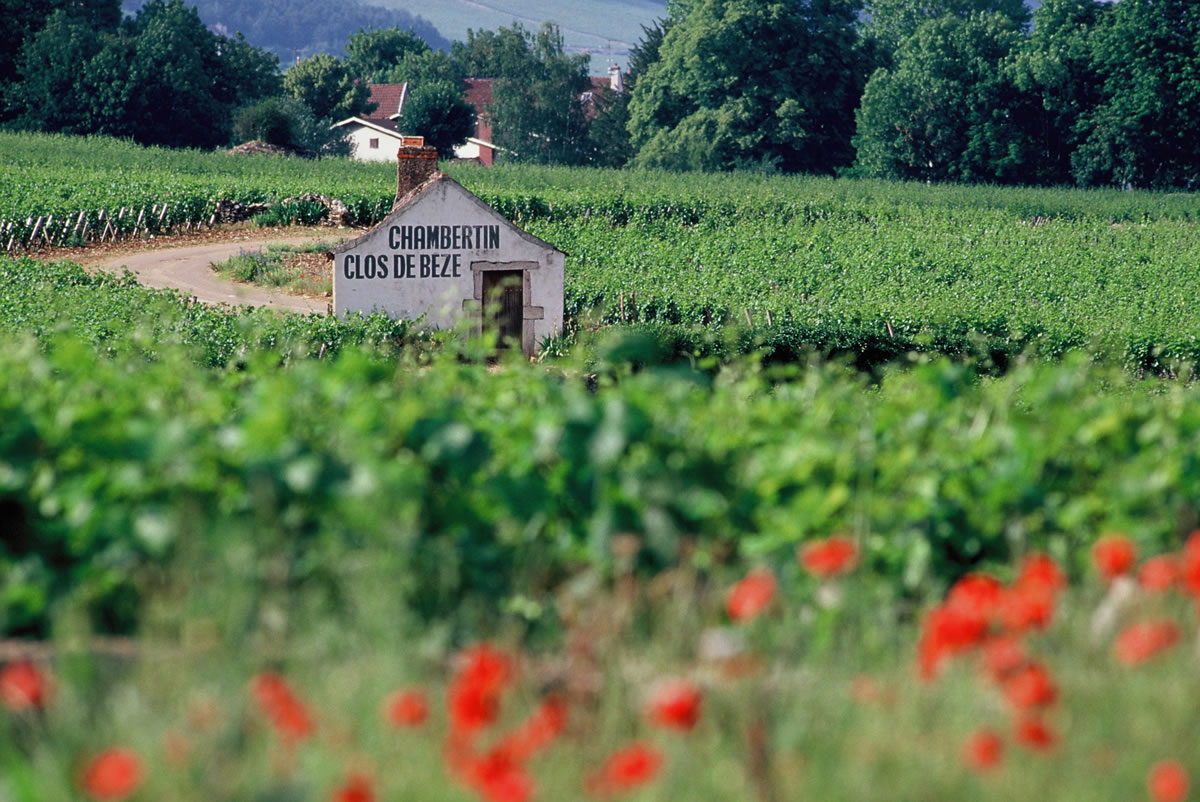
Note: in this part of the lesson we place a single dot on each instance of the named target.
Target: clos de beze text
(421, 252)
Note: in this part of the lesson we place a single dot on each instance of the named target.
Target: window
(374, 143)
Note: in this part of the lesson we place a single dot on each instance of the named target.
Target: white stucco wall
(360, 143)
(390, 270)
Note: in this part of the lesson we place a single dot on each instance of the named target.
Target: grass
(822, 703)
(297, 269)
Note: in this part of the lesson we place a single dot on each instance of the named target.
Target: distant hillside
(604, 28)
(301, 28)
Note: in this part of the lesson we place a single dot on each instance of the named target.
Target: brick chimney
(416, 163)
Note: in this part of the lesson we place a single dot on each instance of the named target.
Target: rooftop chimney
(416, 163)
(615, 82)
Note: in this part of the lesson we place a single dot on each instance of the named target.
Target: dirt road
(189, 270)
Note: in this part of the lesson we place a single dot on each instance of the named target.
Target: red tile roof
(479, 94)
(388, 97)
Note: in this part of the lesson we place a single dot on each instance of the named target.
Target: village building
(445, 257)
(378, 135)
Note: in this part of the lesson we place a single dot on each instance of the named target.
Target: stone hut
(446, 257)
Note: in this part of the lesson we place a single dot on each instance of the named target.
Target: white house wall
(360, 144)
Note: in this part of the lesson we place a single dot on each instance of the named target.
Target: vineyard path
(189, 270)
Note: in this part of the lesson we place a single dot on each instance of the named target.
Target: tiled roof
(389, 98)
(479, 93)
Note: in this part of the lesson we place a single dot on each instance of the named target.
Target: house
(446, 258)
(377, 136)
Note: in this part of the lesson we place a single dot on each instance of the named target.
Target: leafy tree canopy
(946, 110)
(436, 110)
(1143, 132)
(160, 78)
(24, 18)
(888, 22)
(371, 55)
(746, 82)
(327, 86)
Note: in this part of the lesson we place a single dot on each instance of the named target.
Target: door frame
(529, 312)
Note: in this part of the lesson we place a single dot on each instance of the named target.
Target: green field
(199, 503)
(869, 269)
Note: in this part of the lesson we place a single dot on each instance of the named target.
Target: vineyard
(795, 265)
(247, 555)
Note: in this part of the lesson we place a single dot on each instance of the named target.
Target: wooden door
(504, 305)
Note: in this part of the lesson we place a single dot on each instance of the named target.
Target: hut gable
(445, 257)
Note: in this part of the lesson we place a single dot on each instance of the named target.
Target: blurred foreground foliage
(158, 449)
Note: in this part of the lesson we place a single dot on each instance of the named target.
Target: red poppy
(1028, 605)
(23, 686)
(625, 770)
(979, 594)
(407, 708)
(474, 695)
(357, 788)
(947, 631)
(498, 778)
(1002, 656)
(751, 595)
(829, 557)
(1034, 733)
(539, 730)
(281, 706)
(1159, 573)
(1114, 555)
(1189, 570)
(675, 704)
(1030, 686)
(1139, 642)
(1040, 569)
(1167, 781)
(983, 751)
(113, 774)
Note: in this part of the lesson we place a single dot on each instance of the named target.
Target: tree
(536, 108)
(161, 78)
(1055, 66)
(947, 109)
(327, 87)
(429, 66)
(890, 22)
(184, 95)
(47, 97)
(24, 18)
(370, 55)
(492, 54)
(608, 131)
(288, 123)
(749, 82)
(436, 110)
(1143, 131)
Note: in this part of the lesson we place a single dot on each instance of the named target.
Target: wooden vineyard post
(140, 217)
(161, 216)
(769, 323)
(749, 322)
(633, 307)
(37, 227)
